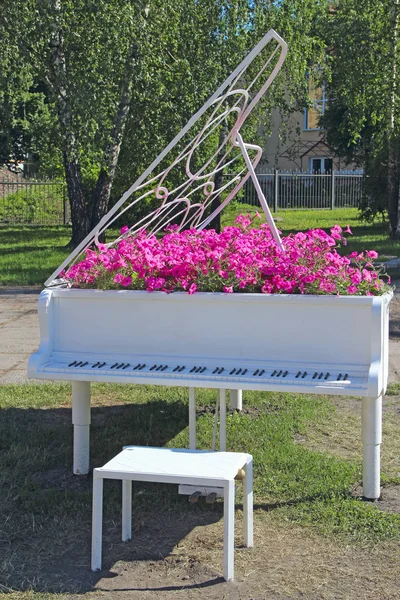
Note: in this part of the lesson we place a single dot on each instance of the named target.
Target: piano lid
(210, 145)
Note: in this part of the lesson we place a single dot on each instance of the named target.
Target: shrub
(34, 203)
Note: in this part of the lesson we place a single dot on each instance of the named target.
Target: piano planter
(289, 343)
(315, 344)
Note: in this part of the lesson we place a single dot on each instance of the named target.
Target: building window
(321, 165)
(318, 97)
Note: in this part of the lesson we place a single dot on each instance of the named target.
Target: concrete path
(19, 333)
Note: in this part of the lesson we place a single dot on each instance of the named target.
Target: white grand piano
(302, 344)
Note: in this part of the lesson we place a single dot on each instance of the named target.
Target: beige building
(299, 144)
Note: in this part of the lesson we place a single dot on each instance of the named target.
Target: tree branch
(111, 152)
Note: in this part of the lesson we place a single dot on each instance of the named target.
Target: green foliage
(362, 119)
(182, 51)
(40, 203)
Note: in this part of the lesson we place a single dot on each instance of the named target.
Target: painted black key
(78, 364)
(72, 364)
(164, 368)
(255, 372)
(159, 368)
(103, 364)
(279, 374)
(176, 369)
(346, 376)
(273, 374)
(203, 369)
(298, 374)
(181, 369)
(320, 376)
(244, 372)
(327, 376)
(315, 375)
(238, 371)
(120, 365)
(285, 373)
(232, 372)
(304, 374)
(114, 365)
(216, 370)
(137, 367)
(221, 370)
(96, 364)
(261, 372)
(153, 367)
(126, 366)
(84, 364)
(340, 377)
(142, 367)
(192, 370)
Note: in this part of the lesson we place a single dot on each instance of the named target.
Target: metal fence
(33, 202)
(45, 202)
(306, 190)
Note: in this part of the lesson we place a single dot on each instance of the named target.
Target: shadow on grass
(45, 513)
(25, 249)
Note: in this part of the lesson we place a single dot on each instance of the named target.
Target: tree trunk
(393, 143)
(102, 191)
(58, 80)
(79, 216)
(218, 181)
(392, 187)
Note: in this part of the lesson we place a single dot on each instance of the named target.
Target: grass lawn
(28, 255)
(297, 484)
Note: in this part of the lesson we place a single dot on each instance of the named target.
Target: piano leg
(222, 420)
(81, 423)
(192, 418)
(236, 402)
(371, 429)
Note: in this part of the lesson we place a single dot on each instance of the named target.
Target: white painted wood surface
(307, 344)
(180, 466)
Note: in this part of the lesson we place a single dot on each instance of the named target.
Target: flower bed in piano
(239, 259)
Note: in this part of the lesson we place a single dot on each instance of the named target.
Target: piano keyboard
(250, 376)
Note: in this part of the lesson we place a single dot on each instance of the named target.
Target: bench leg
(126, 510)
(248, 505)
(97, 521)
(229, 529)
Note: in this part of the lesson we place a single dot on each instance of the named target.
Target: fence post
(276, 189)
(65, 206)
(333, 189)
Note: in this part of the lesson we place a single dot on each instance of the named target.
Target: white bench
(171, 465)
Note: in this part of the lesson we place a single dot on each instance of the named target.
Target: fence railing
(45, 203)
(33, 203)
(306, 190)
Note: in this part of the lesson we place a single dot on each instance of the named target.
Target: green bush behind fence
(33, 203)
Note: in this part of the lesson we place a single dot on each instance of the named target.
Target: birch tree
(116, 79)
(363, 120)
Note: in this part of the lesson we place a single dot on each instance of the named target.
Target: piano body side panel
(385, 343)
(310, 329)
(46, 327)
